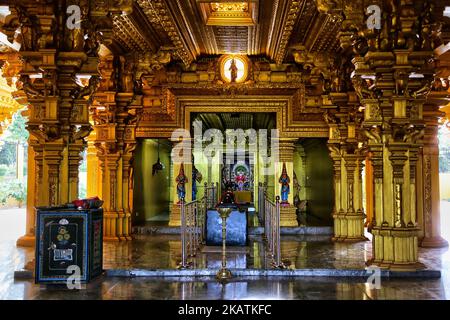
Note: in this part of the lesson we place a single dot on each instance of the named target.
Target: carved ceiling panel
(231, 39)
(195, 28)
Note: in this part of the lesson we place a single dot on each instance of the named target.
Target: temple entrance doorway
(238, 167)
(153, 172)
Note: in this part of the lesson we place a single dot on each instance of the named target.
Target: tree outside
(13, 162)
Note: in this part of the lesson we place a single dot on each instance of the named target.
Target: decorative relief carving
(398, 205)
(159, 14)
(287, 30)
(427, 195)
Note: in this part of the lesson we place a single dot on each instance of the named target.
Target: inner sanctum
(241, 162)
(306, 116)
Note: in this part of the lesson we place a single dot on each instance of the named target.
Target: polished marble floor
(162, 251)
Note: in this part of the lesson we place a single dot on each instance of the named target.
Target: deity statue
(196, 177)
(234, 70)
(285, 189)
(240, 180)
(181, 180)
(228, 196)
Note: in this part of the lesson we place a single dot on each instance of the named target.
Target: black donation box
(69, 242)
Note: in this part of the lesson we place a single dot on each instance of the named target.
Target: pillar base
(111, 239)
(349, 227)
(396, 248)
(412, 266)
(434, 242)
(288, 216)
(175, 216)
(26, 241)
(349, 239)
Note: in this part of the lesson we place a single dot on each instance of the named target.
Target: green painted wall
(151, 193)
(318, 182)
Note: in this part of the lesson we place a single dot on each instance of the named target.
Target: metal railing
(262, 190)
(193, 216)
(211, 194)
(270, 211)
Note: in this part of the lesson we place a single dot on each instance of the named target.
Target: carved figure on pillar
(285, 189)
(181, 180)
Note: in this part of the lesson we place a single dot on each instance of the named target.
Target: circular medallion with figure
(234, 68)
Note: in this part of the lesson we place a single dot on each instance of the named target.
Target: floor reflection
(164, 252)
(261, 289)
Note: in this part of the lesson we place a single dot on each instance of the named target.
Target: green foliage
(82, 191)
(7, 171)
(14, 189)
(8, 153)
(17, 132)
(3, 170)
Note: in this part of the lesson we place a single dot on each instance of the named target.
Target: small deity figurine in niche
(240, 180)
(285, 189)
(181, 180)
(196, 177)
(234, 70)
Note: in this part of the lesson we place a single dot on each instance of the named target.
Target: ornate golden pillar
(338, 213)
(393, 124)
(354, 216)
(28, 240)
(74, 160)
(431, 216)
(369, 191)
(93, 184)
(343, 121)
(115, 116)
(288, 217)
(127, 191)
(109, 167)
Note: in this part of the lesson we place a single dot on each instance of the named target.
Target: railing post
(191, 235)
(196, 233)
(204, 210)
(277, 232)
(206, 195)
(183, 263)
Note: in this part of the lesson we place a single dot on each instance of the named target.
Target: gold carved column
(343, 122)
(429, 175)
(369, 191)
(288, 216)
(28, 240)
(393, 124)
(93, 184)
(115, 114)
